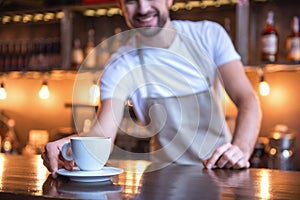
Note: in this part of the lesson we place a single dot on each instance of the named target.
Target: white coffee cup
(89, 153)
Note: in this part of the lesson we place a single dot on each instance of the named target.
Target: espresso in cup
(89, 153)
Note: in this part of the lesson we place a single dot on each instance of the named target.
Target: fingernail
(208, 166)
(54, 175)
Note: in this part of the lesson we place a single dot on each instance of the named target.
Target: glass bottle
(293, 42)
(269, 40)
(1, 57)
(34, 61)
(103, 53)
(49, 54)
(90, 54)
(57, 53)
(6, 59)
(42, 55)
(27, 54)
(9, 142)
(20, 55)
(77, 54)
(14, 56)
(117, 40)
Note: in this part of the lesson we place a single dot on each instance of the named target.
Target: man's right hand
(52, 157)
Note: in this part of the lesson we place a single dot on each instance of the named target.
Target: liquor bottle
(103, 53)
(49, 54)
(7, 56)
(34, 61)
(20, 57)
(57, 53)
(269, 40)
(117, 40)
(1, 57)
(77, 54)
(27, 54)
(10, 142)
(14, 56)
(42, 55)
(17, 55)
(90, 53)
(293, 42)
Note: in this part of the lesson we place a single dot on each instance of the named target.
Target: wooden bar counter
(25, 177)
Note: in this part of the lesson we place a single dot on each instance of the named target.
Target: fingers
(68, 165)
(53, 160)
(241, 164)
(227, 156)
(52, 154)
(216, 156)
(50, 159)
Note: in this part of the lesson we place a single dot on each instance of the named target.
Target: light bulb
(264, 88)
(44, 91)
(94, 94)
(3, 94)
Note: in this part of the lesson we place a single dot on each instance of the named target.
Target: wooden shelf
(50, 75)
(272, 68)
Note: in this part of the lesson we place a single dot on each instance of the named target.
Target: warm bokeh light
(94, 94)
(6, 19)
(3, 94)
(27, 18)
(38, 17)
(38, 138)
(264, 88)
(44, 91)
(87, 125)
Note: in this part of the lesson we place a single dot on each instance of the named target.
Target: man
(199, 137)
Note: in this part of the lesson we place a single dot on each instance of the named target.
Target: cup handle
(64, 151)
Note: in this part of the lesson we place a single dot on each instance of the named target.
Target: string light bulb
(264, 88)
(3, 93)
(44, 92)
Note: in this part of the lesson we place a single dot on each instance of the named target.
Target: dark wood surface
(25, 177)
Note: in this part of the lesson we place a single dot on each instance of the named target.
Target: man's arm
(239, 89)
(108, 119)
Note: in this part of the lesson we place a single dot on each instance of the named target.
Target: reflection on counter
(79, 190)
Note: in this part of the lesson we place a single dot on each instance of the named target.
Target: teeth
(147, 19)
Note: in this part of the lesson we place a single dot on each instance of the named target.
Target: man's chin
(149, 31)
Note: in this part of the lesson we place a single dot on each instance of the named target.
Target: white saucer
(90, 176)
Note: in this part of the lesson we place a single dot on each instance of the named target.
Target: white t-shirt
(169, 72)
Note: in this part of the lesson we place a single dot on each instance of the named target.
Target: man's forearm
(248, 124)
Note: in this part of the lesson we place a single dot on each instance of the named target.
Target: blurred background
(44, 43)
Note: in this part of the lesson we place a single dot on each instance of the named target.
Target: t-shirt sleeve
(113, 83)
(220, 44)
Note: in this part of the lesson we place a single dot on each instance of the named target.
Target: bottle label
(269, 44)
(293, 48)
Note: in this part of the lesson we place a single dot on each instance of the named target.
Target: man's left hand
(227, 156)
